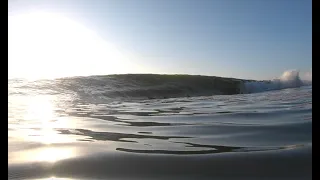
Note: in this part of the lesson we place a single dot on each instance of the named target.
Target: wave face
(154, 86)
(133, 86)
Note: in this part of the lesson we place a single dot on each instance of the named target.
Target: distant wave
(153, 86)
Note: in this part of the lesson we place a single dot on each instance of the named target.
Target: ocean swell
(153, 86)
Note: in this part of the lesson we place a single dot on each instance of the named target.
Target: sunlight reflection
(55, 178)
(53, 154)
(49, 154)
(40, 108)
(41, 112)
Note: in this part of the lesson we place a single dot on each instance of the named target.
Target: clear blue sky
(256, 39)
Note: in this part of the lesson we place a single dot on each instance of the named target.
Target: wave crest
(289, 79)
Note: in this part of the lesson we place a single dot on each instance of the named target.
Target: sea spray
(289, 79)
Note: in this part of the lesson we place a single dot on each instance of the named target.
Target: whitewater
(149, 126)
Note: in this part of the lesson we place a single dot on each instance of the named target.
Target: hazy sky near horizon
(253, 39)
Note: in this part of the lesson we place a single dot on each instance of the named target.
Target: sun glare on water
(48, 45)
(39, 127)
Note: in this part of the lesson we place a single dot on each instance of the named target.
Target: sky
(250, 39)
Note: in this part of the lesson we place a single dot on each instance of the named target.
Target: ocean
(151, 126)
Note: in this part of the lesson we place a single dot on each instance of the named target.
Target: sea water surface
(78, 128)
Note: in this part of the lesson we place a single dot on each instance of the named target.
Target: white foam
(289, 79)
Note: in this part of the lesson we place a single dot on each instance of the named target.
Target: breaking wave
(289, 79)
(154, 86)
